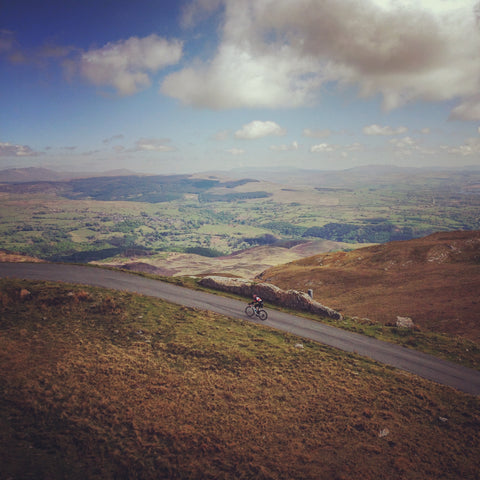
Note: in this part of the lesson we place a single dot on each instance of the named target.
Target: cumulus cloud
(259, 129)
(242, 77)
(10, 150)
(127, 65)
(470, 148)
(379, 130)
(467, 110)
(405, 142)
(154, 145)
(407, 146)
(279, 54)
(322, 147)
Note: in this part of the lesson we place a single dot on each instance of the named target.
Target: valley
(117, 218)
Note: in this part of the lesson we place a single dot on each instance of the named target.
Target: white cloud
(279, 54)
(240, 76)
(235, 151)
(285, 148)
(259, 129)
(468, 110)
(470, 147)
(405, 142)
(355, 147)
(407, 146)
(127, 65)
(9, 150)
(197, 11)
(386, 130)
(316, 133)
(153, 145)
(322, 147)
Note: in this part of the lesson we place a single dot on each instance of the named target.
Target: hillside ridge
(435, 280)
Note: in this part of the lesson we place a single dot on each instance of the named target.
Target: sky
(164, 87)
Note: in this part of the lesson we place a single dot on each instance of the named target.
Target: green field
(98, 218)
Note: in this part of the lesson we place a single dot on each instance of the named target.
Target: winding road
(426, 366)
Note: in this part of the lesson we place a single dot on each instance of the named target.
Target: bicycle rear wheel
(249, 310)
(262, 314)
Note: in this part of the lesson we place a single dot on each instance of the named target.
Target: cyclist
(257, 302)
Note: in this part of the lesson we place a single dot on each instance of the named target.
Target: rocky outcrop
(270, 293)
(405, 322)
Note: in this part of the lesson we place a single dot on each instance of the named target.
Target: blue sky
(188, 86)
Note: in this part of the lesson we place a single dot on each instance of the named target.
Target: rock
(299, 345)
(383, 433)
(269, 293)
(405, 322)
(24, 293)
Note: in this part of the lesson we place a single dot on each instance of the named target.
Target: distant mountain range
(38, 174)
(364, 175)
(368, 174)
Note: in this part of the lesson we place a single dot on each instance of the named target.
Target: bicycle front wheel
(249, 310)
(262, 314)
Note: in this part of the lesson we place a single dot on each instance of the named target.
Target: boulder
(24, 293)
(405, 322)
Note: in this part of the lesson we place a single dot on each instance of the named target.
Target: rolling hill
(435, 280)
(246, 263)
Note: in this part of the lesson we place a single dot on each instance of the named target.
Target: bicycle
(250, 310)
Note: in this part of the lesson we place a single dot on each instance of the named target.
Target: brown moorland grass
(99, 384)
(435, 280)
(6, 256)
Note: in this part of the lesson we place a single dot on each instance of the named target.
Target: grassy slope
(100, 384)
(434, 280)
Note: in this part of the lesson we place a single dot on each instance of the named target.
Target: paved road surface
(426, 366)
